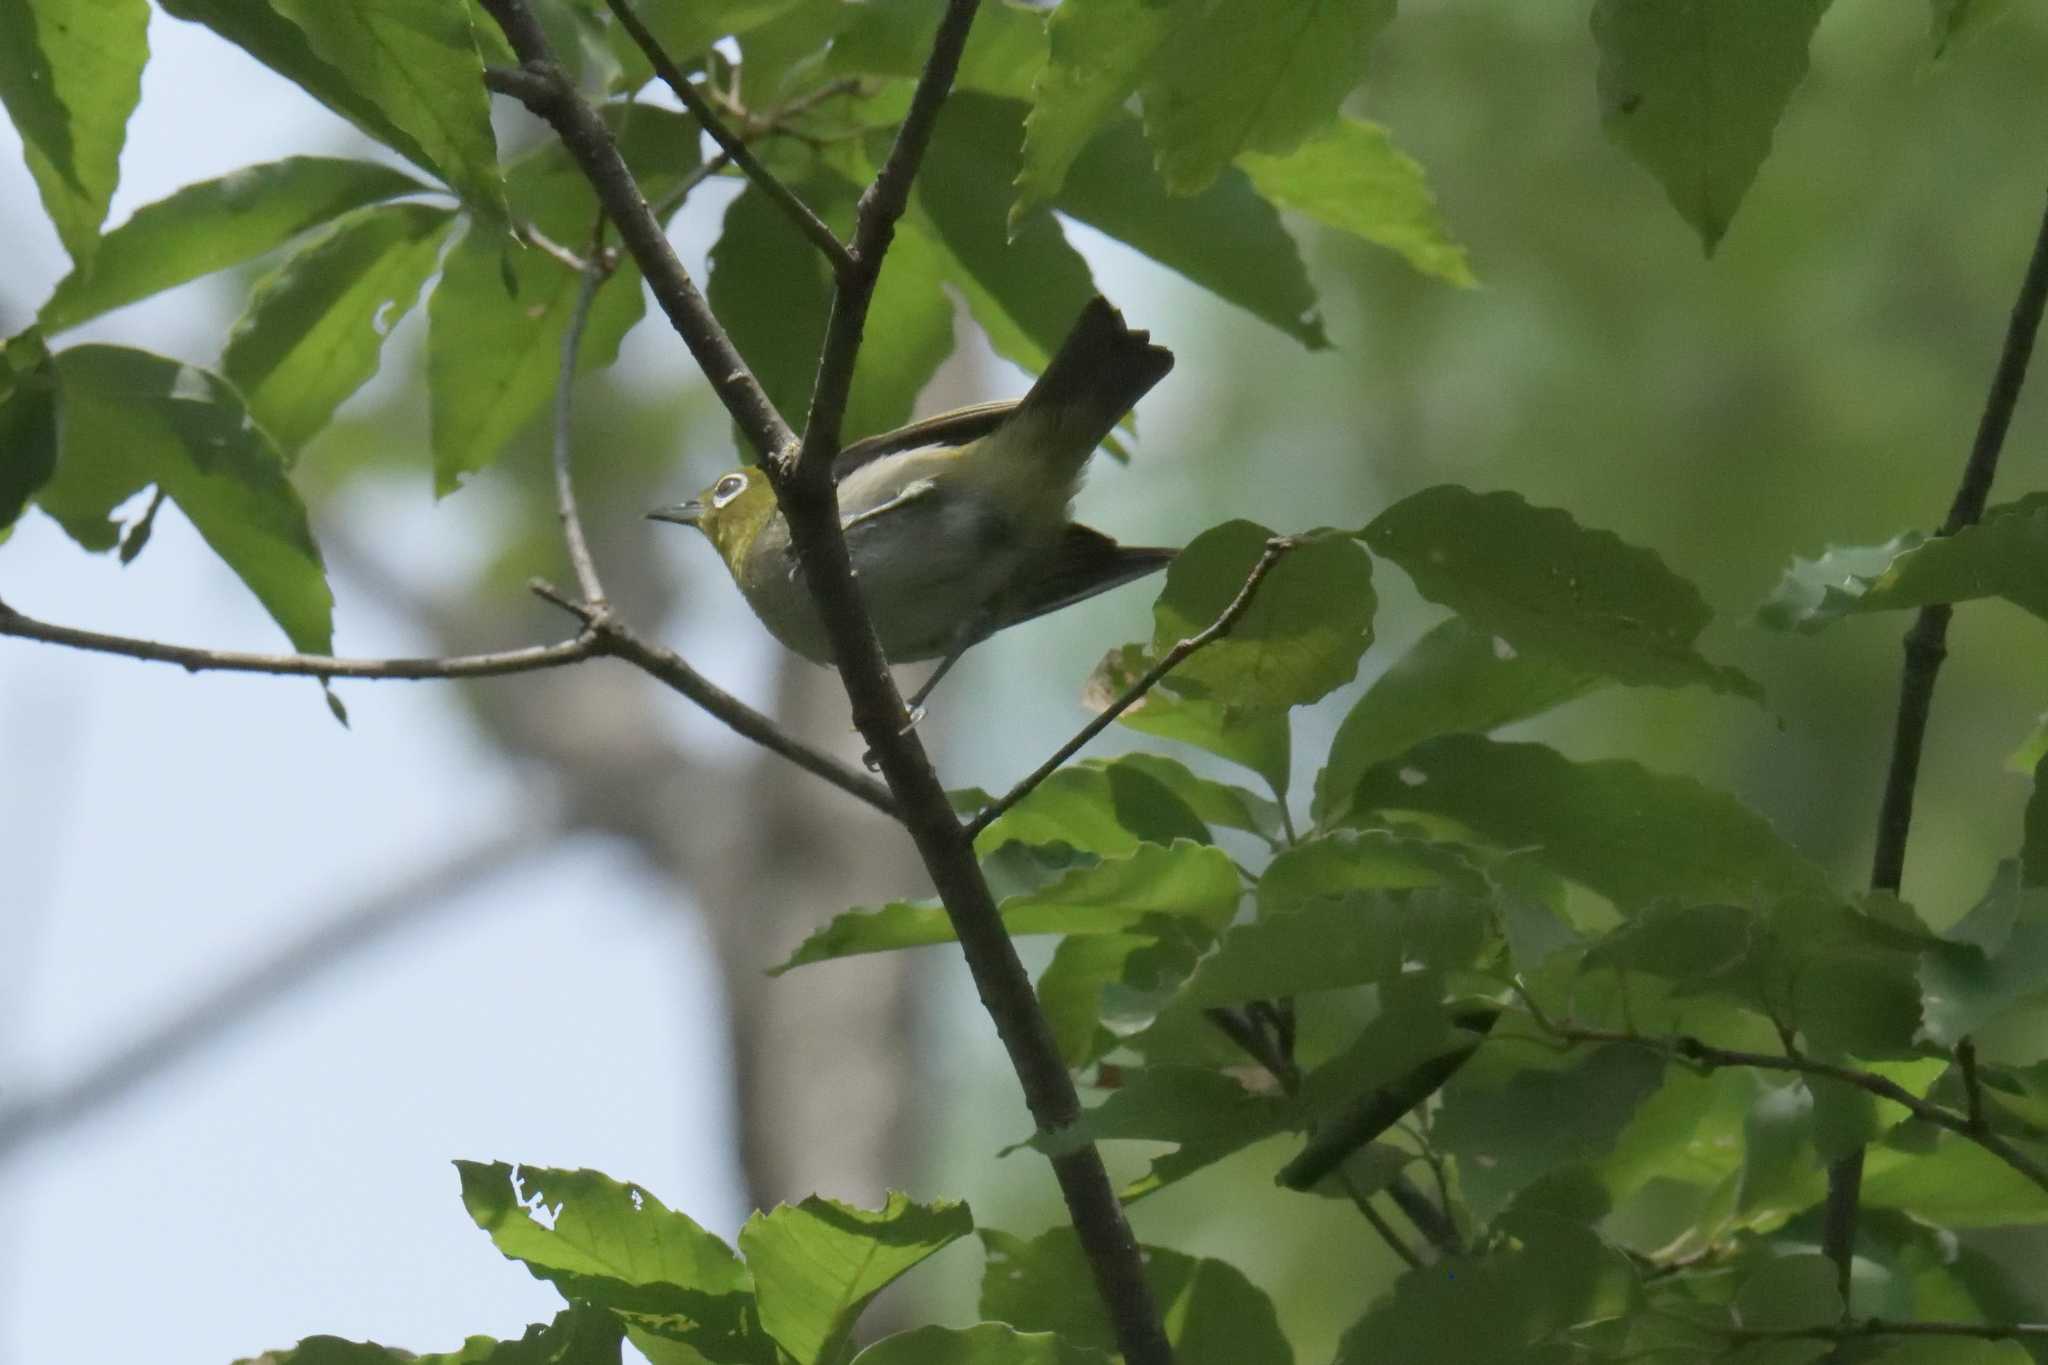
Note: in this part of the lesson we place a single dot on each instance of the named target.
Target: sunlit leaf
(817, 1264)
(70, 75)
(130, 419)
(1538, 580)
(1694, 90)
(1113, 896)
(1099, 808)
(1256, 737)
(1337, 942)
(985, 1343)
(1955, 1183)
(1236, 78)
(315, 327)
(420, 65)
(1350, 176)
(1301, 638)
(1098, 50)
(214, 224)
(614, 1245)
(1005, 47)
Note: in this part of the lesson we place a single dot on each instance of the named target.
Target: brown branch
(541, 86)
(734, 148)
(1276, 548)
(1689, 1049)
(1863, 1328)
(1926, 646)
(195, 660)
(609, 635)
(802, 480)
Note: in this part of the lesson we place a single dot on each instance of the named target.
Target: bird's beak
(689, 513)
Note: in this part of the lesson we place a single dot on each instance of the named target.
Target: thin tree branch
(1863, 1328)
(609, 635)
(235, 1002)
(1689, 1049)
(802, 480)
(195, 660)
(542, 88)
(1926, 645)
(1276, 549)
(735, 149)
(596, 270)
(1377, 1221)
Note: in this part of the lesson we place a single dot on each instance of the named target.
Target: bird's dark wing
(1083, 563)
(955, 428)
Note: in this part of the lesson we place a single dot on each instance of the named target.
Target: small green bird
(958, 526)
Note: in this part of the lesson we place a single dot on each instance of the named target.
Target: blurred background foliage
(1816, 381)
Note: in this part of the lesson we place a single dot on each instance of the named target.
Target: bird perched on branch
(958, 526)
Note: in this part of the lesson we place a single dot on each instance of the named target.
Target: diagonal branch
(542, 88)
(734, 148)
(1276, 548)
(1926, 645)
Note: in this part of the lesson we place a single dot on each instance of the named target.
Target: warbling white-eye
(958, 526)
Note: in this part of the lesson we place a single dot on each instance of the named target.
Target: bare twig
(734, 148)
(271, 981)
(1864, 1328)
(1689, 1049)
(1276, 549)
(195, 660)
(597, 269)
(541, 86)
(1926, 645)
(1377, 1221)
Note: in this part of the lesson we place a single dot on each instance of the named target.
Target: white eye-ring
(728, 488)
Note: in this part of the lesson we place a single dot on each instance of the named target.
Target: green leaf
(419, 64)
(1025, 290)
(816, 1265)
(265, 34)
(1510, 1127)
(1005, 48)
(577, 1336)
(1516, 1305)
(1262, 78)
(1350, 176)
(1098, 49)
(2004, 555)
(1213, 1314)
(70, 74)
(985, 1343)
(1117, 895)
(1351, 861)
(774, 289)
(1957, 22)
(686, 32)
(214, 224)
(615, 1246)
(2033, 840)
(1456, 678)
(1341, 941)
(130, 419)
(1098, 808)
(1995, 971)
(1693, 91)
(1627, 833)
(1206, 1114)
(1954, 1184)
(28, 424)
(1226, 239)
(1257, 737)
(315, 327)
(1300, 639)
(1538, 580)
(1790, 1292)
(1218, 804)
(1085, 967)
